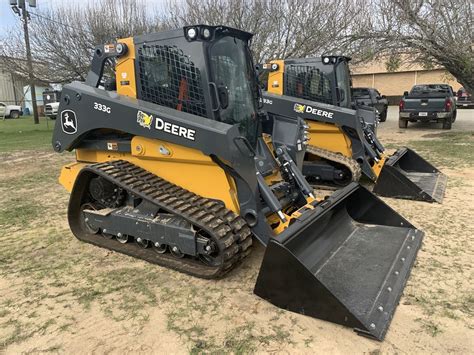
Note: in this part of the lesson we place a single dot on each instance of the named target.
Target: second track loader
(342, 142)
(172, 167)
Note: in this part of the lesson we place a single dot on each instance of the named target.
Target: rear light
(447, 105)
(401, 105)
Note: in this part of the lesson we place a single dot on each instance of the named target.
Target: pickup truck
(430, 102)
(464, 99)
(51, 110)
(10, 111)
(371, 97)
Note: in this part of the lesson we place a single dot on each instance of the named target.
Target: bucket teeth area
(343, 266)
(406, 175)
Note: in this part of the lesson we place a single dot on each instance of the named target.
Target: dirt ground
(60, 295)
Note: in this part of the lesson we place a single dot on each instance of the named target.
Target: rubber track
(349, 163)
(228, 230)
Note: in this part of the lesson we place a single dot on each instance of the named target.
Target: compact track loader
(172, 167)
(342, 142)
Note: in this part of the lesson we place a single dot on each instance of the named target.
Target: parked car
(430, 102)
(51, 110)
(464, 98)
(10, 111)
(371, 97)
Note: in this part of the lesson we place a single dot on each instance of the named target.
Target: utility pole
(19, 7)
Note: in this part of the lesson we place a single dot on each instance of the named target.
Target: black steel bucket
(407, 175)
(347, 262)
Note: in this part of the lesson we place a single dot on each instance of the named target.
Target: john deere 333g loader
(172, 167)
(342, 142)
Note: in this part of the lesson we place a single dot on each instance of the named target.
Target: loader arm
(346, 122)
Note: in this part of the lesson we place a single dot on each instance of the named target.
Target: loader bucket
(347, 262)
(407, 175)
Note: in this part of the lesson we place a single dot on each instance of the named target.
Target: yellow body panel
(185, 167)
(69, 173)
(330, 137)
(125, 70)
(275, 78)
(294, 215)
(377, 167)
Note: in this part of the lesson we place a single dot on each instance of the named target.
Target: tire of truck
(14, 114)
(402, 123)
(383, 116)
(447, 123)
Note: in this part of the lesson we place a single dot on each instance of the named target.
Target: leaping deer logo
(69, 122)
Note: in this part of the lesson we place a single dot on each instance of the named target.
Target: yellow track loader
(172, 167)
(342, 142)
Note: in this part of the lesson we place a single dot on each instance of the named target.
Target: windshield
(343, 82)
(236, 86)
(358, 92)
(430, 89)
(307, 82)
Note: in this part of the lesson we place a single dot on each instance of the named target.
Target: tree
(63, 38)
(282, 28)
(430, 32)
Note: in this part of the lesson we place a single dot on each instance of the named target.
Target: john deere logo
(144, 119)
(68, 122)
(299, 108)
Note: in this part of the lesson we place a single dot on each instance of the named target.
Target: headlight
(326, 60)
(192, 33)
(206, 33)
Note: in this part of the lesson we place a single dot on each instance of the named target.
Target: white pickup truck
(10, 111)
(51, 110)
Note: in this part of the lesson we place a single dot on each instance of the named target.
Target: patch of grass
(448, 149)
(18, 334)
(467, 304)
(18, 212)
(23, 134)
(31, 180)
(430, 327)
(23, 331)
(308, 341)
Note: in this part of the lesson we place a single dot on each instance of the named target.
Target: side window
(169, 78)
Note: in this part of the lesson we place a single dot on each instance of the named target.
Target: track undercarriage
(121, 207)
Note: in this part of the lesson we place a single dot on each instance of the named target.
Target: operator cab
(209, 75)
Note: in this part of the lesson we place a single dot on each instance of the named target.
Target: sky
(9, 19)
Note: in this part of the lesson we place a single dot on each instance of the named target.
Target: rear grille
(308, 83)
(169, 78)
